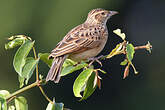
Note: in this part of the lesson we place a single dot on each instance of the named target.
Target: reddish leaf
(99, 82)
(98, 79)
(126, 71)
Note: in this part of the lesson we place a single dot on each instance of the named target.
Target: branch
(148, 47)
(24, 89)
(35, 56)
(43, 93)
(37, 78)
(121, 49)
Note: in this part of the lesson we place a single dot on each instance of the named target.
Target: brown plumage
(83, 42)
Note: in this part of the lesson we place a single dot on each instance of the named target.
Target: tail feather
(55, 70)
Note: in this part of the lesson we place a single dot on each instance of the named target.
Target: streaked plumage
(83, 42)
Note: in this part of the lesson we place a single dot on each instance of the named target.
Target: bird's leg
(93, 59)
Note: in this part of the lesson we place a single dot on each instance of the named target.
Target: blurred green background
(47, 22)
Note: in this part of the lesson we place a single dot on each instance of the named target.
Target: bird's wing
(79, 39)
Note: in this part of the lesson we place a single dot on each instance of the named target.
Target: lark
(83, 42)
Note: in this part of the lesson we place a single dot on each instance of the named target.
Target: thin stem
(10, 99)
(140, 47)
(147, 47)
(37, 78)
(42, 91)
(23, 89)
(35, 56)
(37, 83)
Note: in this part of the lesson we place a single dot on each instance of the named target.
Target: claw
(93, 59)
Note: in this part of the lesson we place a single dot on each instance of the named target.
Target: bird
(83, 42)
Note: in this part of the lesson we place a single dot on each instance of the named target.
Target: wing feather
(74, 42)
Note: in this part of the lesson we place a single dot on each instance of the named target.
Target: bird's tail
(55, 70)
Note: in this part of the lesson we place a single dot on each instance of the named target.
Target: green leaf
(21, 103)
(90, 87)
(130, 52)
(66, 70)
(70, 68)
(12, 107)
(115, 51)
(55, 106)
(4, 93)
(44, 58)
(50, 106)
(81, 81)
(102, 71)
(69, 62)
(28, 70)
(124, 62)
(79, 66)
(19, 36)
(20, 56)
(59, 106)
(21, 81)
(14, 43)
(3, 103)
(118, 32)
(29, 67)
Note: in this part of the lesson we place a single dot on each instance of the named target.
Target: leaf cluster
(84, 85)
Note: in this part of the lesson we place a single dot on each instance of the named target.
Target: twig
(35, 56)
(140, 47)
(23, 89)
(37, 78)
(148, 47)
(10, 99)
(42, 91)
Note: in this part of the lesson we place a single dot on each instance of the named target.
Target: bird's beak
(113, 12)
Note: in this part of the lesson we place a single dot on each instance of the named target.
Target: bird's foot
(93, 59)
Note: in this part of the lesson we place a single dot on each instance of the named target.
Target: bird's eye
(102, 13)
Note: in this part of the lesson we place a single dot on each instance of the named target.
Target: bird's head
(99, 16)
